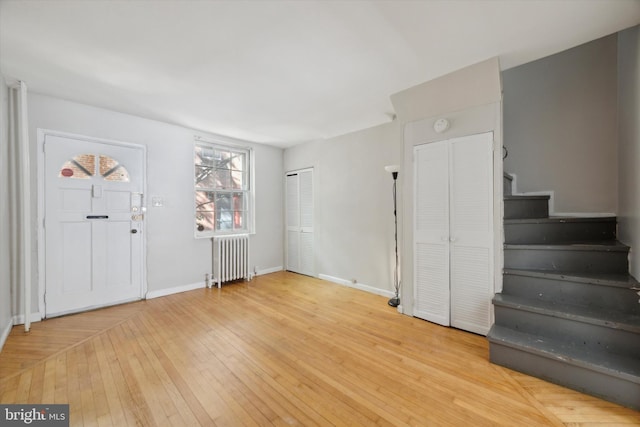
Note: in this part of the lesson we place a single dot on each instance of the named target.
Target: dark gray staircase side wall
(552, 288)
(564, 373)
(584, 260)
(559, 230)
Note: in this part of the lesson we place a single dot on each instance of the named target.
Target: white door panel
(431, 235)
(93, 241)
(432, 282)
(453, 232)
(299, 201)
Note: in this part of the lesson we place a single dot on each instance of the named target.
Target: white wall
(471, 99)
(5, 277)
(353, 204)
(560, 127)
(629, 144)
(174, 257)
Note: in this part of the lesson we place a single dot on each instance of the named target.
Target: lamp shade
(392, 168)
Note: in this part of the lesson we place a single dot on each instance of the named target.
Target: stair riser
(614, 389)
(559, 233)
(575, 293)
(515, 209)
(577, 333)
(579, 261)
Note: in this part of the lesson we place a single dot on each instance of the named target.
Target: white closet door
(299, 191)
(293, 222)
(453, 232)
(431, 233)
(471, 224)
(306, 222)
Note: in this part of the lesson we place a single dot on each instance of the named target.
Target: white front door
(93, 224)
(299, 200)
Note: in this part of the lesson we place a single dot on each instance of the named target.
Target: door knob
(134, 231)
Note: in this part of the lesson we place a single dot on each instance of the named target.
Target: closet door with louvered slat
(453, 232)
(299, 208)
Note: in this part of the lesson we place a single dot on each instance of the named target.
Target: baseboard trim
(5, 332)
(357, 285)
(268, 270)
(19, 319)
(174, 290)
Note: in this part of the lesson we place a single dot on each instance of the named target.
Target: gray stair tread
(611, 364)
(606, 279)
(595, 316)
(605, 245)
(524, 197)
(559, 219)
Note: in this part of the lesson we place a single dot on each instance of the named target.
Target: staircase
(568, 312)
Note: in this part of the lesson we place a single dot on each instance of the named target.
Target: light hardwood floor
(283, 349)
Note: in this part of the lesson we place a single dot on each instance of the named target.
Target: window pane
(203, 155)
(82, 166)
(237, 180)
(222, 159)
(224, 220)
(205, 201)
(118, 174)
(238, 220)
(204, 177)
(112, 170)
(238, 201)
(205, 221)
(223, 201)
(222, 179)
(238, 162)
(106, 164)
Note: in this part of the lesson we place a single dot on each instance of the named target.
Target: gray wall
(174, 257)
(353, 204)
(629, 144)
(5, 282)
(560, 127)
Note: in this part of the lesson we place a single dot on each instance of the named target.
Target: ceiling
(278, 72)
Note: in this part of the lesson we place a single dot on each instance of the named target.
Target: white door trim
(41, 135)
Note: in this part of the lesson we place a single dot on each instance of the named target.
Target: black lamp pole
(395, 301)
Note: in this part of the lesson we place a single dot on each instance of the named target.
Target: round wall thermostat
(441, 125)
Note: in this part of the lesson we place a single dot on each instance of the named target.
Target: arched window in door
(83, 166)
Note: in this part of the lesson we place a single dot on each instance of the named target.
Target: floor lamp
(393, 169)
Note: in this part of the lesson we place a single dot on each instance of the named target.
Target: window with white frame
(223, 198)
